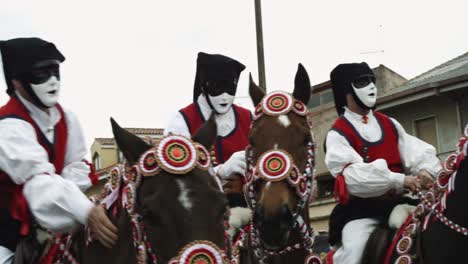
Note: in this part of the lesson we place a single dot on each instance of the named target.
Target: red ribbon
(92, 173)
(20, 210)
(341, 191)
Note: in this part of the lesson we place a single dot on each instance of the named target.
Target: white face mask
(367, 94)
(48, 92)
(221, 103)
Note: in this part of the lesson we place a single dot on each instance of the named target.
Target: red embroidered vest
(386, 148)
(225, 146)
(11, 195)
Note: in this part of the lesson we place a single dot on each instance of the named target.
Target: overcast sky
(135, 60)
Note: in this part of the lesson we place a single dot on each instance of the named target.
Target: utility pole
(260, 55)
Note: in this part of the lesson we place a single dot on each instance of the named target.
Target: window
(314, 101)
(97, 161)
(320, 99)
(326, 98)
(426, 130)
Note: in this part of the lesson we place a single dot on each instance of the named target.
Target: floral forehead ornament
(175, 154)
(280, 103)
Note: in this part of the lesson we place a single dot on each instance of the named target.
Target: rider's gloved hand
(102, 227)
(236, 164)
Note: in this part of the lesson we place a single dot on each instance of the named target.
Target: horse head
(280, 161)
(177, 201)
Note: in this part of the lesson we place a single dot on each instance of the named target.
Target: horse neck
(457, 199)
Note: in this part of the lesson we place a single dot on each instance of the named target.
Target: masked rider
(214, 91)
(42, 169)
(373, 160)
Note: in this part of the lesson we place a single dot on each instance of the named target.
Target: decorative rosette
(133, 175)
(148, 163)
(404, 245)
(410, 230)
(114, 178)
(419, 211)
(277, 103)
(294, 176)
(300, 108)
(176, 154)
(430, 197)
(128, 199)
(313, 259)
(443, 179)
(450, 162)
(274, 165)
(204, 159)
(405, 259)
(201, 252)
(301, 188)
(258, 112)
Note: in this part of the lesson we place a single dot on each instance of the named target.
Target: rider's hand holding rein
(425, 179)
(102, 227)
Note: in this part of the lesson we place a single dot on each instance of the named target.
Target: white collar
(350, 115)
(43, 119)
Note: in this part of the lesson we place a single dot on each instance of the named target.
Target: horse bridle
(433, 203)
(174, 154)
(277, 165)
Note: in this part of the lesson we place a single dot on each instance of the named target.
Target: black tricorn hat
(20, 54)
(341, 78)
(215, 67)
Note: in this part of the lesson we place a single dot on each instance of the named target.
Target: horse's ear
(256, 92)
(206, 134)
(302, 88)
(131, 146)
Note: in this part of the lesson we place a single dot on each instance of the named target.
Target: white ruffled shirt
(225, 123)
(57, 202)
(374, 178)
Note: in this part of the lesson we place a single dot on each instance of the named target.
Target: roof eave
(422, 91)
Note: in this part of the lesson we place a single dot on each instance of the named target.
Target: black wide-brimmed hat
(341, 78)
(215, 67)
(20, 54)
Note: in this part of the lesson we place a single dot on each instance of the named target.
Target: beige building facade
(105, 153)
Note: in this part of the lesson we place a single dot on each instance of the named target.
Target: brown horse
(172, 210)
(279, 177)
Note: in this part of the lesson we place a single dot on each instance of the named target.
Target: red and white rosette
(132, 175)
(404, 245)
(301, 188)
(128, 199)
(405, 259)
(274, 165)
(176, 154)
(201, 252)
(300, 108)
(149, 164)
(313, 259)
(450, 162)
(294, 176)
(277, 103)
(204, 158)
(114, 178)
